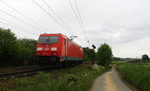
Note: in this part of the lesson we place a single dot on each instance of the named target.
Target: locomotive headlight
(54, 49)
(39, 49)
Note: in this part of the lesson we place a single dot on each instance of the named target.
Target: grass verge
(77, 78)
(137, 74)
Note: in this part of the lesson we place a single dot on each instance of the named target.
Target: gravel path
(109, 81)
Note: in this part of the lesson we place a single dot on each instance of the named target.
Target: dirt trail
(109, 81)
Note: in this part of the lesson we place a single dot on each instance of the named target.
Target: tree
(85, 54)
(104, 55)
(145, 58)
(91, 54)
(8, 47)
(13, 51)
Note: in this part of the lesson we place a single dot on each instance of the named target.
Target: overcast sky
(123, 24)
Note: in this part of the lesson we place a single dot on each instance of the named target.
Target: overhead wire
(17, 28)
(28, 17)
(77, 8)
(64, 25)
(49, 7)
(23, 15)
(78, 18)
(74, 12)
(53, 17)
(58, 16)
(19, 19)
(15, 24)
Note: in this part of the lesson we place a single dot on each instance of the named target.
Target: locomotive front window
(53, 39)
(48, 39)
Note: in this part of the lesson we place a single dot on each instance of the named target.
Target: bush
(98, 68)
(104, 55)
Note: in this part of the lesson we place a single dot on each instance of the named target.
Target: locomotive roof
(59, 34)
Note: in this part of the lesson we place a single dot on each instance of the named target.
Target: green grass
(77, 78)
(118, 62)
(137, 74)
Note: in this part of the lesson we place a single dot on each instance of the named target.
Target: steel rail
(26, 72)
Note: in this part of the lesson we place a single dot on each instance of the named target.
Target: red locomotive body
(57, 48)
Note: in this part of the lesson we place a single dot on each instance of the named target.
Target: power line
(14, 23)
(22, 14)
(60, 19)
(74, 12)
(58, 16)
(52, 17)
(16, 27)
(78, 18)
(19, 19)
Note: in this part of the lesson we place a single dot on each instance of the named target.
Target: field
(138, 74)
(77, 78)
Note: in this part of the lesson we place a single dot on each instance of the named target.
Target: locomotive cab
(47, 46)
(47, 51)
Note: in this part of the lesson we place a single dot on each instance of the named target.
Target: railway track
(29, 71)
(26, 72)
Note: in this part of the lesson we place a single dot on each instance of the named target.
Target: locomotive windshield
(48, 39)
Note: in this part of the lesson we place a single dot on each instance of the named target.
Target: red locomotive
(57, 48)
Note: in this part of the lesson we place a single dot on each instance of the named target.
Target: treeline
(13, 51)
